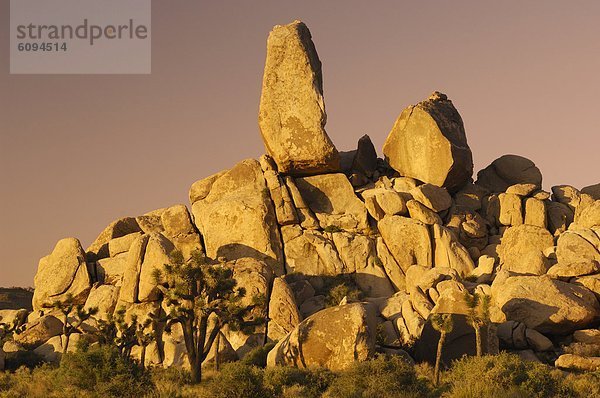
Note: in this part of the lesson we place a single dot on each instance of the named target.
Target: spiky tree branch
(201, 295)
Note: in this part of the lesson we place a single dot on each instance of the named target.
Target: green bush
(503, 375)
(103, 370)
(340, 286)
(258, 355)
(382, 377)
(97, 372)
(236, 380)
(285, 381)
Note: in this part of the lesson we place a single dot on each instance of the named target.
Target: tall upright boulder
(428, 142)
(292, 110)
(62, 272)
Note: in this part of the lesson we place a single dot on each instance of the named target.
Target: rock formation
(402, 238)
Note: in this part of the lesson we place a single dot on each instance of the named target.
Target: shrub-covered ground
(102, 372)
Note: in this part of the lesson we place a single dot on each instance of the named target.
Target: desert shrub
(258, 355)
(340, 286)
(503, 375)
(103, 370)
(23, 358)
(285, 381)
(585, 384)
(383, 377)
(332, 229)
(235, 380)
(174, 382)
(97, 372)
(35, 383)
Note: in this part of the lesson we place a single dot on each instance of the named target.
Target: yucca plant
(197, 289)
(444, 324)
(478, 316)
(73, 317)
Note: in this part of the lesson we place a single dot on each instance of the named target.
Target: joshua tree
(442, 323)
(196, 290)
(125, 333)
(106, 330)
(73, 317)
(145, 333)
(478, 315)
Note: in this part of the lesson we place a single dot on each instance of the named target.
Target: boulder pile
(412, 231)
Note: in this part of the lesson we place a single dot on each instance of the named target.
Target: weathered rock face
(121, 227)
(509, 170)
(237, 219)
(358, 253)
(546, 305)
(522, 247)
(61, 273)
(576, 246)
(282, 199)
(381, 202)
(104, 298)
(332, 200)
(292, 110)
(450, 253)
(178, 228)
(428, 142)
(408, 241)
(319, 340)
(310, 252)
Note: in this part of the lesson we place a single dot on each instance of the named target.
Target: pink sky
(77, 152)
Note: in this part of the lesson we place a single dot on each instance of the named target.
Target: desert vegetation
(101, 371)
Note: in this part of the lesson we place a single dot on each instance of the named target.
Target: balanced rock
(333, 338)
(292, 110)
(428, 142)
(62, 272)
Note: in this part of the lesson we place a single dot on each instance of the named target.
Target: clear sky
(77, 152)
